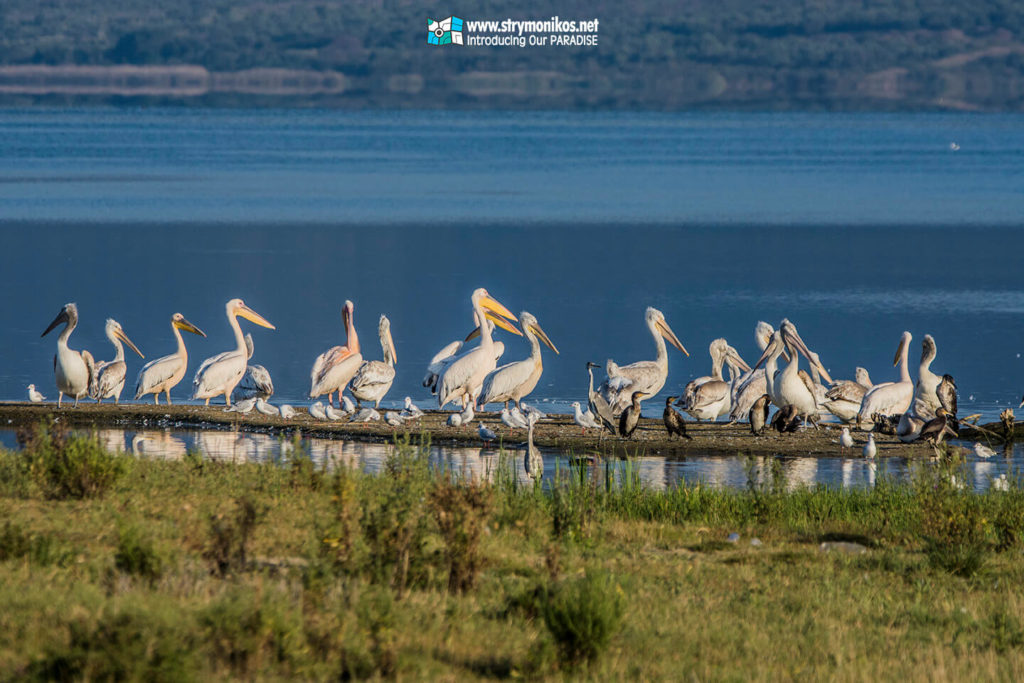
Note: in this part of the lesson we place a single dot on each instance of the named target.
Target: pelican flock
(788, 375)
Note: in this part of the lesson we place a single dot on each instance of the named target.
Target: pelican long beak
(494, 305)
(188, 327)
(497, 320)
(668, 334)
(735, 356)
(255, 317)
(899, 352)
(124, 337)
(773, 343)
(62, 317)
(391, 346)
(543, 337)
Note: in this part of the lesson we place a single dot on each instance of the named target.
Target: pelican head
(763, 334)
(178, 321)
(114, 330)
(68, 314)
(493, 311)
(733, 356)
(656, 320)
(904, 344)
(386, 342)
(529, 322)
(237, 307)
(772, 350)
(346, 313)
(928, 348)
(796, 344)
(862, 377)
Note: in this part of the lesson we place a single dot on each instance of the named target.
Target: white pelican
(890, 398)
(645, 376)
(754, 385)
(73, 370)
(374, 377)
(109, 377)
(163, 374)
(219, 374)
(439, 362)
(464, 377)
(333, 368)
(256, 382)
(928, 381)
(513, 381)
(712, 398)
(844, 397)
(34, 395)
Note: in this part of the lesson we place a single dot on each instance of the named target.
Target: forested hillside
(658, 54)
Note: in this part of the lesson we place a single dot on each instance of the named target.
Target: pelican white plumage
(718, 349)
(163, 374)
(890, 398)
(928, 381)
(373, 379)
(646, 376)
(33, 395)
(439, 362)
(335, 367)
(73, 370)
(109, 377)
(256, 382)
(513, 381)
(792, 389)
(712, 398)
(753, 385)
(844, 397)
(219, 375)
(464, 378)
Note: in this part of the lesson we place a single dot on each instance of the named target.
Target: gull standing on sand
(845, 440)
(108, 381)
(265, 408)
(584, 420)
(73, 370)
(486, 434)
(870, 450)
(219, 375)
(511, 422)
(33, 395)
(243, 407)
(366, 415)
(163, 374)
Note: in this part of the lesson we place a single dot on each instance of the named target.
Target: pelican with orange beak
(220, 374)
(645, 376)
(73, 370)
(163, 374)
(335, 367)
(110, 374)
(464, 378)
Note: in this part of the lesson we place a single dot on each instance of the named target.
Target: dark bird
(759, 414)
(885, 424)
(787, 419)
(630, 417)
(938, 428)
(598, 405)
(946, 392)
(674, 422)
(1007, 418)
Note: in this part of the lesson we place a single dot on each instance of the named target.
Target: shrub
(39, 549)
(953, 524)
(462, 511)
(245, 632)
(582, 615)
(339, 542)
(227, 547)
(135, 555)
(64, 466)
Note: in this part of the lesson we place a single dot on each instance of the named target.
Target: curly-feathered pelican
(928, 381)
(790, 386)
(890, 398)
(110, 374)
(645, 376)
(845, 396)
(753, 385)
(464, 377)
(374, 377)
(333, 368)
(711, 399)
(72, 369)
(513, 381)
(256, 382)
(219, 374)
(163, 374)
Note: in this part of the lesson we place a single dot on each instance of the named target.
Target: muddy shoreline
(558, 431)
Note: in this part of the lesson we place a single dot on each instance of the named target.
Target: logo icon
(444, 32)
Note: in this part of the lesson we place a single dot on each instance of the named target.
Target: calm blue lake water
(855, 227)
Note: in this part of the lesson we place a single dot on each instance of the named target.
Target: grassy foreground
(113, 567)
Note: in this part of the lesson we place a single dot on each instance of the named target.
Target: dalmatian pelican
(73, 370)
(513, 381)
(890, 398)
(109, 378)
(374, 377)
